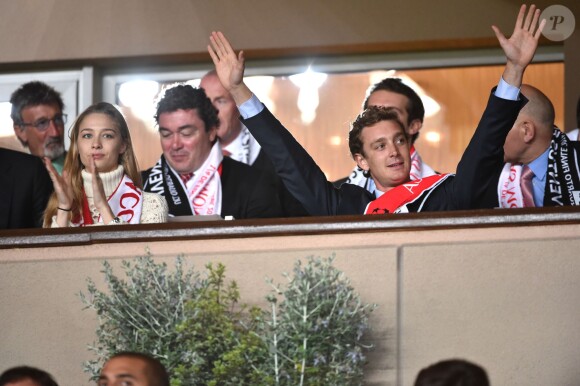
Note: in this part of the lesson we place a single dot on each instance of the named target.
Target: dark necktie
(527, 187)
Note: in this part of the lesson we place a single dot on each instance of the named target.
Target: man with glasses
(38, 121)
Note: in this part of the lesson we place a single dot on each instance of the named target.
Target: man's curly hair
(369, 117)
(186, 97)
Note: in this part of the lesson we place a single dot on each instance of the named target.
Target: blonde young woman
(100, 183)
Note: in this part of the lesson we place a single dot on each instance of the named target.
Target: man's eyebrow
(125, 376)
(179, 128)
(381, 139)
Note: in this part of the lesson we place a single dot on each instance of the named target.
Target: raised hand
(229, 66)
(99, 196)
(519, 49)
(62, 185)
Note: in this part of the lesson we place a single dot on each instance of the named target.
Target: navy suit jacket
(474, 185)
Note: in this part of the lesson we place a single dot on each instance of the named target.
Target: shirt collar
(540, 165)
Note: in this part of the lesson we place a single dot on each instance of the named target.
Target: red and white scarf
(562, 176)
(398, 199)
(205, 188)
(244, 148)
(509, 190)
(419, 170)
(126, 202)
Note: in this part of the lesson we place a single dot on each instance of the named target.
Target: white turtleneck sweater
(154, 206)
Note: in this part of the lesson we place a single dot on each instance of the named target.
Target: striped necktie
(527, 187)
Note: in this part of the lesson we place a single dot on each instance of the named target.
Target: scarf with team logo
(419, 170)
(562, 179)
(126, 203)
(202, 195)
(244, 148)
(401, 198)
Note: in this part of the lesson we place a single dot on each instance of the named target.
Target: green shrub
(141, 313)
(317, 322)
(311, 334)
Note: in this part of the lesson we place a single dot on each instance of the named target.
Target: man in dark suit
(25, 187)
(236, 141)
(381, 147)
(192, 173)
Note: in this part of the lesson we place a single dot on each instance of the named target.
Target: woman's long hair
(73, 165)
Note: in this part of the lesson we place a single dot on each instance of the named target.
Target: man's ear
(414, 127)
(528, 131)
(21, 134)
(361, 162)
(212, 134)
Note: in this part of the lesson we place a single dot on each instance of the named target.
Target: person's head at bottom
(135, 369)
(453, 372)
(26, 376)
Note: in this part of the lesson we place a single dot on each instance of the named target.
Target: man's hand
(519, 49)
(229, 67)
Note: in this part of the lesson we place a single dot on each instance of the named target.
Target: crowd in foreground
(138, 369)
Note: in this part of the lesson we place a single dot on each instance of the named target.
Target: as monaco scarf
(419, 170)
(126, 202)
(244, 148)
(562, 180)
(202, 195)
(400, 198)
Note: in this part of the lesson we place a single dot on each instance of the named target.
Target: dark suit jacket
(470, 188)
(291, 207)
(25, 187)
(246, 192)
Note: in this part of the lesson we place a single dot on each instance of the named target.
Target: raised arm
(475, 184)
(519, 49)
(301, 175)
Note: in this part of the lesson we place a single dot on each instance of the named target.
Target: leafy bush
(222, 337)
(316, 328)
(194, 324)
(142, 312)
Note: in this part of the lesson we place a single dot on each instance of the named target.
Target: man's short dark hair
(415, 108)
(454, 372)
(22, 373)
(369, 117)
(156, 372)
(186, 97)
(33, 94)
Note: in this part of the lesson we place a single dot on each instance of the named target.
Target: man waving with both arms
(379, 144)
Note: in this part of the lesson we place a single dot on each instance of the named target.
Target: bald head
(539, 107)
(532, 132)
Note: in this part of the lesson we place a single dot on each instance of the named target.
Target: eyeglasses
(43, 124)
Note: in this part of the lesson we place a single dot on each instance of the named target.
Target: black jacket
(25, 188)
(473, 186)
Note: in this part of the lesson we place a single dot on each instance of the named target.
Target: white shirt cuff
(251, 107)
(505, 90)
